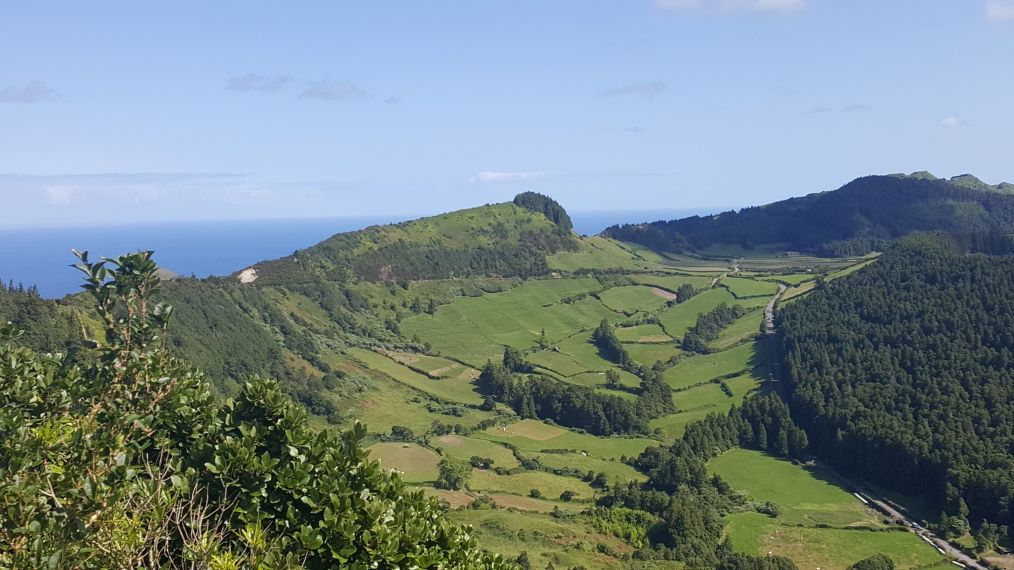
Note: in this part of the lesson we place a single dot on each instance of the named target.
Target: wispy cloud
(392, 100)
(633, 129)
(642, 89)
(333, 91)
(855, 108)
(484, 177)
(32, 93)
(732, 6)
(1000, 10)
(952, 122)
(254, 82)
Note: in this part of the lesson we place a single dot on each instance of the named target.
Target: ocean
(42, 256)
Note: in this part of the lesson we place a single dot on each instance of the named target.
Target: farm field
(564, 543)
(744, 328)
(809, 497)
(614, 469)
(534, 436)
(558, 362)
(599, 378)
(603, 253)
(792, 279)
(648, 354)
(551, 486)
(704, 367)
(415, 463)
(642, 333)
(462, 447)
(536, 505)
(430, 365)
(454, 389)
(673, 282)
(586, 354)
(680, 318)
(632, 299)
(696, 403)
(749, 287)
(394, 403)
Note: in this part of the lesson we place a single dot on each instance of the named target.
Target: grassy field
(750, 288)
(521, 484)
(451, 333)
(580, 348)
(632, 299)
(793, 279)
(558, 362)
(465, 447)
(533, 436)
(564, 543)
(431, 365)
(614, 469)
(415, 463)
(793, 292)
(673, 282)
(744, 328)
(677, 320)
(603, 253)
(536, 505)
(695, 404)
(454, 389)
(648, 354)
(642, 333)
(704, 367)
(598, 379)
(392, 404)
(809, 496)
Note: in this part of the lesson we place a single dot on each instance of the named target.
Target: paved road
(894, 513)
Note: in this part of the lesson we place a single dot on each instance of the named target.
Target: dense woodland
(903, 373)
(863, 216)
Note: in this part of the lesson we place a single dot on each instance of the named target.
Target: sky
(115, 112)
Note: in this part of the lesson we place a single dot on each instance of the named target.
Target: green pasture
(414, 463)
(632, 299)
(649, 354)
(695, 404)
(463, 447)
(564, 543)
(451, 333)
(432, 365)
(600, 253)
(598, 379)
(391, 405)
(618, 393)
(704, 367)
(673, 282)
(792, 279)
(534, 436)
(551, 486)
(538, 505)
(793, 292)
(588, 463)
(809, 496)
(678, 319)
(843, 272)
(642, 333)
(558, 362)
(454, 389)
(580, 348)
(746, 327)
(750, 288)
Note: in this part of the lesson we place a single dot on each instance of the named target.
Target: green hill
(509, 239)
(855, 219)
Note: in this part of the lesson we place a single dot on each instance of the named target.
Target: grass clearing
(454, 498)
(793, 292)
(698, 405)
(551, 486)
(536, 505)
(391, 404)
(602, 447)
(704, 367)
(649, 354)
(453, 389)
(746, 327)
(462, 447)
(793, 279)
(558, 362)
(639, 332)
(580, 348)
(677, 320)
(673, 282)
(528, 429)
(603, 253)
(750, 288)
(598, 379)
(614, 469)
(632, 299)
(415, 463)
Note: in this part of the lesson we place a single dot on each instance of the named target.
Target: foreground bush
(129, 463)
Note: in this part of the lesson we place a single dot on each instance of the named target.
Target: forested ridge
(903, 373)
(863, 216)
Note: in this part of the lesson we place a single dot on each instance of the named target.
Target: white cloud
(1000, 10)
(333, 91)
(643, 89)
(952, 122)
(484, 177)
(32, 93)
(254, 82)
(732, 6)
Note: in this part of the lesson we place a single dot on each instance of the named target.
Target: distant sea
(42, 257)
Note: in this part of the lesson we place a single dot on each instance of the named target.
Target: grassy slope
(704, 367)
(454, 389)
(809, 497)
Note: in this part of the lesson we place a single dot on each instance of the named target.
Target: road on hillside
(912, 525)
(771, 340)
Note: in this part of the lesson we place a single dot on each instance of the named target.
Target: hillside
(858, 218)
(510, 239)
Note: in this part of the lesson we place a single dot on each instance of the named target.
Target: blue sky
(134, 111)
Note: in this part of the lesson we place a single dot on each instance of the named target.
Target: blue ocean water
(42, 256)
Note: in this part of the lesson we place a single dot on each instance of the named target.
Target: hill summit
(852, 220)
(511, 239)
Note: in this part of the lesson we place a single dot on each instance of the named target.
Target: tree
(454, 474)
(488, 404)
(522, 560)
(514, 361)
(566, 496)
(402, 433)
(875, 562)
(535, 493)
(613, 380)
(601, 480)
